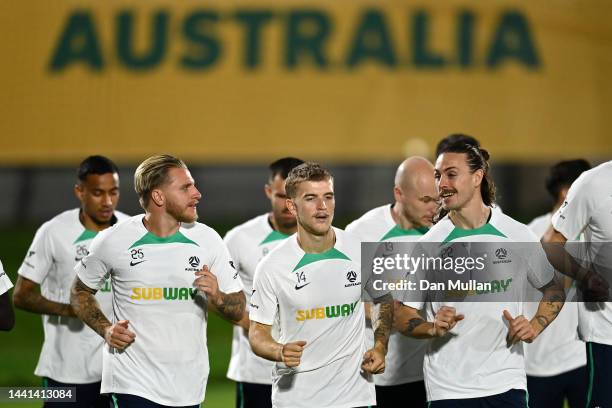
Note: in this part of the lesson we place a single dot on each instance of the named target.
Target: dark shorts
(87, 395)
(250, 395)
(389, 395)
(550, 392)
(599, 371)
(510, 399)
(134, 401)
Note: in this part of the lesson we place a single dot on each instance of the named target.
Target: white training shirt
(404, 362)
(558, 348)
(71, 351)
(152, 280)
(588, 209)
(474, 360)
(317, 298)
(5, 282)
(248, 243)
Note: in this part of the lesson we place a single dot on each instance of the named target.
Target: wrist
(380, 347)
(280, 357)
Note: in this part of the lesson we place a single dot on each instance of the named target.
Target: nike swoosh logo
(137, 262)
(300, 287)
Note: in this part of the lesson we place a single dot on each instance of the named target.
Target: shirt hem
(481, 394)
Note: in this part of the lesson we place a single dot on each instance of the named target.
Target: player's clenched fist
(374, 360)
(446, 318)
(119, 336)
(291, 353)
(519, 329)
(206, 281)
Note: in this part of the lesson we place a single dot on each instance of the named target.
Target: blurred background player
(71, 354)
(587, 210)
(163, 268)
(7, 315)
(311, 281)
(556, 363)
(247, 244)
(481, 340)
(406, 220)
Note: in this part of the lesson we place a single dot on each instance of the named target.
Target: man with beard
(248, 243)
(481, 341)
(71, 354)
(155, 352)
(406, 220)
(311, 283)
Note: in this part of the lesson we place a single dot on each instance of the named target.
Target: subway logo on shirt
(326, 312)
(164, 293)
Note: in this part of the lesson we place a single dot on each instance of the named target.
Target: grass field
(19, 348)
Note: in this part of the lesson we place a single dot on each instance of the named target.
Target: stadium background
(232, 85)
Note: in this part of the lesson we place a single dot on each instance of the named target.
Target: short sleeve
(233, 246)
(222, 266)
(539, 272)
(5, 282)
(39, 258)
(94, 269)
(264, 302)
(573, 216)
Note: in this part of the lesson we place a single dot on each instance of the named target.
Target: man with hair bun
(482, 342)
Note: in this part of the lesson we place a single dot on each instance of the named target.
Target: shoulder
(121, 216)
(439, 231)
(513, 229)
(371, 217)
(201, 233)
(251, 228)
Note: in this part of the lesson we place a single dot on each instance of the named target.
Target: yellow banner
(232, 81)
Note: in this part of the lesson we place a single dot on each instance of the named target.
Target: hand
(519, 329)
(400, 318)
(291, 353)
(446, 318)
(374, 360)
(118, 335)
(206, 282)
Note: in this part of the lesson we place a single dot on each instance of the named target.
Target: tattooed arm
(382, 320)
(553, 298)
(521, 329)
(27, 297)
(230, 306)
(415, 326)
(87, 308)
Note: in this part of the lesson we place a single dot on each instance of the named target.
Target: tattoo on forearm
(382, 325)
(542, 320)
(232, 306)
(87, 308)
(413, 324)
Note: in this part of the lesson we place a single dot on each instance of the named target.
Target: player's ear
(477, 176)
(268, 191)
(158, 197)
(291, 207)
(79, 191)
(397, 193)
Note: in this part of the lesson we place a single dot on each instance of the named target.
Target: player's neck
(315, 244)
(474, 215)
(397, 213)
(278, 227)
(161, 224)
(90, 224)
